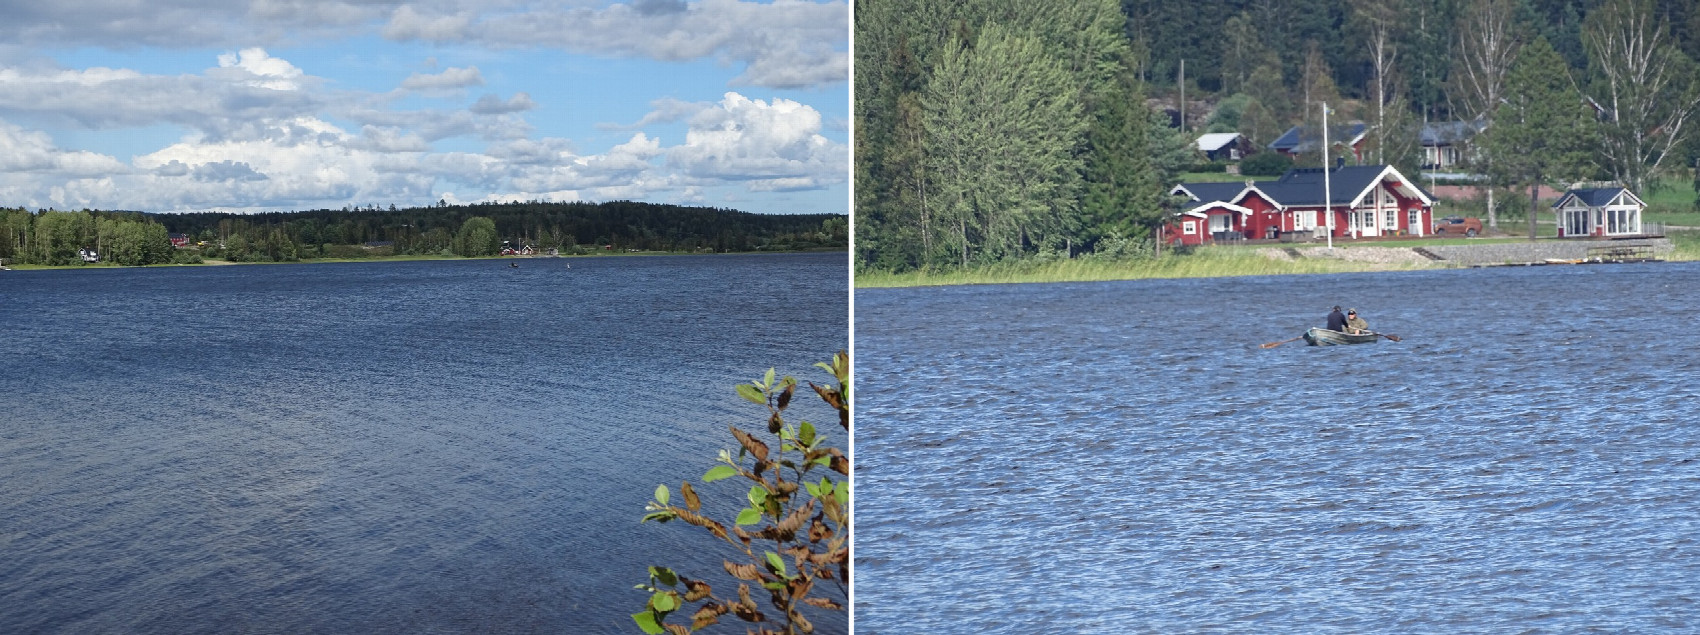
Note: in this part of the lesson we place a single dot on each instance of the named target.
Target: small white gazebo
(1601, 211)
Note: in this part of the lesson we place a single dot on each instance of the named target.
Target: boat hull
(1325, 337)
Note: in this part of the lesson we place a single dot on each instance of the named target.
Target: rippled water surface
(1123, 456)
(403, 447)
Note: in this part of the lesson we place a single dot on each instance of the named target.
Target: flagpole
(1327, 192)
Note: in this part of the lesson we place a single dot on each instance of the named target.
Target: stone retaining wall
(1473, 255)
(1507, 253)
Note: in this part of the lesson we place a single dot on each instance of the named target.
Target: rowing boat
(1325, 337)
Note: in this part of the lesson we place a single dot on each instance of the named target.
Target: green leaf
(774, 586)
(752, 394)
(719, 472)
(758, 495)
(664, 602)
(823, 461)
(767, 380)
(661, 494)
(807, 434)
(659, 517)
(749, 516)
(776, 562)
(814, 490)
(646, 621)
(665, 575)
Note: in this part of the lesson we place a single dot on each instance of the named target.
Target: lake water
(396, 447)
(1122, 456)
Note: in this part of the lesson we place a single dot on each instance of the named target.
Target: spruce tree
(1121, 185)
(1544, 131)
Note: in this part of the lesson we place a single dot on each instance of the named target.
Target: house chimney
(1339, 162)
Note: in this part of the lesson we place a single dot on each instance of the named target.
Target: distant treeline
(53, 237)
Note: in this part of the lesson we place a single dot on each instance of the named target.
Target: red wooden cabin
(1365, 202)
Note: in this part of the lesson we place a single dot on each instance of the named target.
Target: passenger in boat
(1336, 321)
(1354, 324)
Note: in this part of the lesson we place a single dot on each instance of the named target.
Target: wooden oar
(1275, 344)
(1391, 337)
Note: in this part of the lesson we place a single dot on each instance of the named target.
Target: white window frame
(1621, 220)
(1576, 221)
(1189, 228)
(1304, 220)
(1389, 208)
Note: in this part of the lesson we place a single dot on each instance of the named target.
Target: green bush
(1266, 164)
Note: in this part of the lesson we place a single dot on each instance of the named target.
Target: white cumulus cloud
(266, 71)
(771, 146)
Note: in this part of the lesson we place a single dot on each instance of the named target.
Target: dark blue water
(405, 447)
(1121, 456)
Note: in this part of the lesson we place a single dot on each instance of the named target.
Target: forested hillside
(995, 129)
(55, 237)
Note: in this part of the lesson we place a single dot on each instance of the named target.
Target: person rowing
(1337, 320)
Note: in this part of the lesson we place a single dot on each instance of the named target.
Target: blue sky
(260, 105)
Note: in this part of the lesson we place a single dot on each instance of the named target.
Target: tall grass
(1685, 245)
(1208, 262)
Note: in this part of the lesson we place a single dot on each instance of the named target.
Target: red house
(1365, 201)
(179, 240)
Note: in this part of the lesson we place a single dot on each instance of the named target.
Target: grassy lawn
(1672, 204)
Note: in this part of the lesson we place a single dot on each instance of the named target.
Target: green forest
(997, 130)
(51, 237)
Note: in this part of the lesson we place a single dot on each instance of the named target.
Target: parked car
(1458, 225)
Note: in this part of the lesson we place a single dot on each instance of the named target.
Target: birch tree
(1242, 46)
(1382, 22)
(1003, 131)
(1646, 86)
(1487, 44)
(1266, 116)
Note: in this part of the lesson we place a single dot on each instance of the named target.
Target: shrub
(809, 533)
(1266, 164)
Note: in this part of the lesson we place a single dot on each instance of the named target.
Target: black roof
(1302, 187)
(1212, 192)
(1300, 139)
(1444, 132)
(1593, 197)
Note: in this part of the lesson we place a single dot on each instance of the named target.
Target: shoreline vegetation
(66, 239)
(1205, 262)
(219, 262)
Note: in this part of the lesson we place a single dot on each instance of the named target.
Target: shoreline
(1208, 262)
(219, 262)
